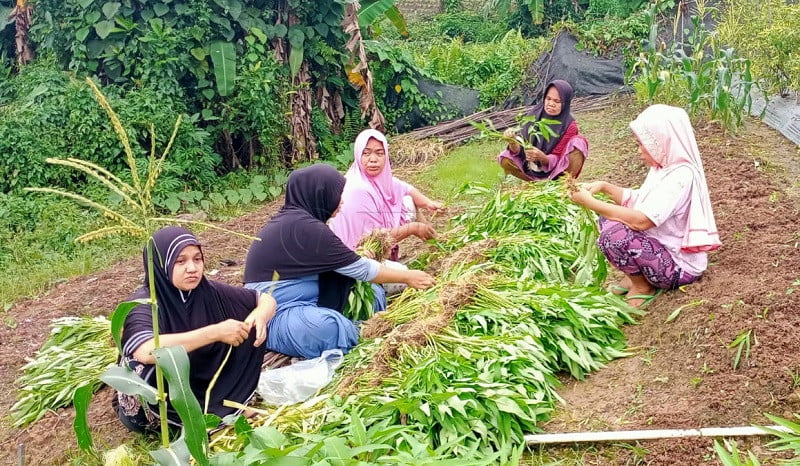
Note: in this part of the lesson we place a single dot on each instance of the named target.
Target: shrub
(51, 114)
(768, 33)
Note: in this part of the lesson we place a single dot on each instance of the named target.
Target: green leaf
(103, 28)
(295, 60)
(174, 362)
(176, 455)
(173, 204)
(199, 53)
(85, 3)
(92, 17)
(129, 383)
(371, 11)
(296, 36)
(259, 34)
(118, 320)
(81, 400)
(397, 20)
(110, 9)
(81, 34)
(160, 9)
(223, 56)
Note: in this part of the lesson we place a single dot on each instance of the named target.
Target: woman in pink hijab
(374, 199)
(658, 234)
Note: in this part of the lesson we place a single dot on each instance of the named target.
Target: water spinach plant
(460, 372)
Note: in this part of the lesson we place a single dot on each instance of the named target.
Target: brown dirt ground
(679, 376)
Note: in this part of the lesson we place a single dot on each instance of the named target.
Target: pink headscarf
(369, 202)
(667, 134)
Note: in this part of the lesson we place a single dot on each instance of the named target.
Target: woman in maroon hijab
(534, 158)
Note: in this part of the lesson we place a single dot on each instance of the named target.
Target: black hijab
(181, 311)
(565, 117)
(296, 242)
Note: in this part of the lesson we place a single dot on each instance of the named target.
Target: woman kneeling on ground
(657, 235)
(310, 271)
(542, 159)
(373, 199)
(204, 316)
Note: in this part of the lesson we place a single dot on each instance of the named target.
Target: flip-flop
(646, 297)
(618, 290)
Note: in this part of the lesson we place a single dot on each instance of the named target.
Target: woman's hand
(260, 317)
(533, 154)
(432, 205)
(423, 231)
(419, 279)
(511, 135)
(594, 187)
(582, 196)
(232, 332)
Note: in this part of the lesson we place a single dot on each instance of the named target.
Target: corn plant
(137, 217)
(696, 73)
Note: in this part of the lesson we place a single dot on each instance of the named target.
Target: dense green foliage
(494, 68)
(768, 33)
(51, 114)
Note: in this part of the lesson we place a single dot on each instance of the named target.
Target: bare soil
(680, 374)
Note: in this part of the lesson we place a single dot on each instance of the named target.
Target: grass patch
(474, 162)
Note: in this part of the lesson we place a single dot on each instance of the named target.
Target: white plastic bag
(299, 381)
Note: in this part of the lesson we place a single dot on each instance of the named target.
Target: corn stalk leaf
(223, 56)
(176, 455)
(118, 320)
(129, 383)
(81, 400)
(174, 362)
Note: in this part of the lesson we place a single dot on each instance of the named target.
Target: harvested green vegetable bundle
(361, 302)
(78, 350)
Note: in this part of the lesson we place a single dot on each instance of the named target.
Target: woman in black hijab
(310, 271)
(206, 318)
(534, 158)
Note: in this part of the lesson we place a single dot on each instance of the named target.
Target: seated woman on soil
(658, 234)
(373, 199)
(310, 271)
(204, 316)
(532, 158)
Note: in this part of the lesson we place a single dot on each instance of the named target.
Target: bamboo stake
(628, 435)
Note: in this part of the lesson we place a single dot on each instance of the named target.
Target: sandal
(646, 297)
(617, 290)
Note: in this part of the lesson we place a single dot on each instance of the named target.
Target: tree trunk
(304, 146)
(21, 14)
(358, 72)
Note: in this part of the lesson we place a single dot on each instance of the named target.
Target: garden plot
(464, 369)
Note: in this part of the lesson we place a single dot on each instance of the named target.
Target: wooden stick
(456, 132)
(629, 435)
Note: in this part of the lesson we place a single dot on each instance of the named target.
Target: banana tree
(21, 16)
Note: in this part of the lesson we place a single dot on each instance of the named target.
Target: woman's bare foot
(510, 168)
